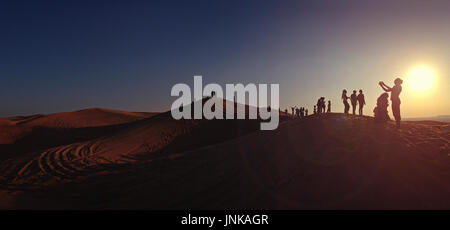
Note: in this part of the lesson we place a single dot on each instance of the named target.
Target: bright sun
(421, 79)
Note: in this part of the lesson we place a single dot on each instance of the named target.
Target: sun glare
(421, 79)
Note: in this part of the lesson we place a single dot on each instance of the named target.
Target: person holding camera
(395, 98)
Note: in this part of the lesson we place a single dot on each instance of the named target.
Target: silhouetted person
(361, 102)
(297, 111)
(302, 112)
(322, 104)
(344, 100)
(293, 113)
(315, 111)
(354, 100)
(380, 111)
(319, 106)
(306, 112)
(285, 111)
(329, 107)
(395, 98)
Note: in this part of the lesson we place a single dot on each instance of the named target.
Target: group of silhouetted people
(355, 100)
(380, 111)
(298, 112)
(320, 107)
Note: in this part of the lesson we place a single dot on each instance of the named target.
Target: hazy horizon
(73, 55)
(162, 111)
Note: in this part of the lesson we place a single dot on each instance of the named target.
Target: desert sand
(105, 159)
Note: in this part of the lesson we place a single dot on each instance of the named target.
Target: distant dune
(330, 161)
(442, 118)
(14, 128)
(79, 119)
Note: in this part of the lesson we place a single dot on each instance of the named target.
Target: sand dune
(320, 162)
(79, 119)
(15, 128)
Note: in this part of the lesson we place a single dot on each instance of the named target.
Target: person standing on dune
(319, 106)
(322, 104)
(344, 100)
(395, 98)
(361, 102)
(353, 100)
(329, 107)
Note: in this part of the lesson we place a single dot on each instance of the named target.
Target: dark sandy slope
(320, 162)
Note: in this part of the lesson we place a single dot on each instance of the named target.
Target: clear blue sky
(67, 55)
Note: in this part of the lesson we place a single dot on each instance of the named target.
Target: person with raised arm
(395, 98)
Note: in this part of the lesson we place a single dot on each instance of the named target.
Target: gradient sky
(68, 55)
